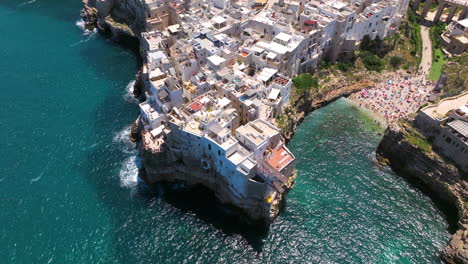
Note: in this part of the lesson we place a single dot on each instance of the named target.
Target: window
(219, 152)
(209, 146)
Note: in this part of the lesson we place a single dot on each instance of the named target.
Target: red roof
(280, 158)
(195, 106)
(310, 22)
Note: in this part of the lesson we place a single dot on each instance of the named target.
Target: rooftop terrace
(280, 158)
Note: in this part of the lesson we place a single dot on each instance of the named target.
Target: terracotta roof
(310, 22)
(195, 106)
(280, 158)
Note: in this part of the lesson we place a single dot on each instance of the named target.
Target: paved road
(426, 62)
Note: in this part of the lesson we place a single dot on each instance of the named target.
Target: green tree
(396, 61)
(344, 66)
(371, 61)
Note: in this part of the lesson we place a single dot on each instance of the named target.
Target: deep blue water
(68, 176)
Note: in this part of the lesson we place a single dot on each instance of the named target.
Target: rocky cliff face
(123, 20)
(427, 168)
(303, 107)
(340, 86)
(163, 166)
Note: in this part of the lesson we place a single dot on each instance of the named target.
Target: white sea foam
(128, 96)
(129, 172)
(123, 138)
(81, 24)
(26, 3)
(89, 34)
(40, 174)
(37, 178)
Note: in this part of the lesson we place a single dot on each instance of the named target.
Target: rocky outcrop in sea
(434, 173)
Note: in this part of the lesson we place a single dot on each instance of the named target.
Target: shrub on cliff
(344, 66)
(372, 62)
(396, 61)
(304, 82)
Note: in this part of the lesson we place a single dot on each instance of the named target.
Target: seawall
(429, 170)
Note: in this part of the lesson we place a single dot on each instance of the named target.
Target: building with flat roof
(455, 38)
(447, 123)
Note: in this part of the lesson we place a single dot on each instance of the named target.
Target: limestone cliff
(301, 108)
(162, 164)
(407, 152)
(121, 19)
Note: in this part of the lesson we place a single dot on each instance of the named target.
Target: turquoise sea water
(68, 192)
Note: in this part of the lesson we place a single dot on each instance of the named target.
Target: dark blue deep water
(68, 176)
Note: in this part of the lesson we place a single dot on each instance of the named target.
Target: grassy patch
(437, 64)
(418, 140)
(438, 57)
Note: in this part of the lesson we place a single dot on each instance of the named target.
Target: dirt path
(426, 62)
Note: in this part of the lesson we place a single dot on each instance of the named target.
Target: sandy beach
(394, 98)
(377, 117)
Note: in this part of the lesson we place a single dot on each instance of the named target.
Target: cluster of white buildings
(218, 72)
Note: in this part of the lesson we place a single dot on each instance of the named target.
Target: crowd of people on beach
(396, 97)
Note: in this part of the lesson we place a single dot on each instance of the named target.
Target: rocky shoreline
(303, 106)
(430, 171)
